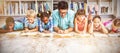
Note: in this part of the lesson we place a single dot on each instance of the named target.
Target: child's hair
(97, 16)
(30, 13)
(80, 12)
(116, 22)
(9, 20)
(44, 14)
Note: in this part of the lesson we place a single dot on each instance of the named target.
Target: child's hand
(45, 31)
(101, 24)
(26, 30)
(66, 31)
(60, 31)
(10, 29)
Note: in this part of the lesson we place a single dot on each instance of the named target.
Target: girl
(116, 25)
(96, 25)
(46, 23)
(31, 21)
(80, 21)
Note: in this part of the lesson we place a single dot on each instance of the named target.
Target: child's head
(116, 22)
(96, 20)
(31, 15)
(45, 17)
(80, 14)
(9, 22)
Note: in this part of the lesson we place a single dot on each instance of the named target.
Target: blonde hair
(31, 13)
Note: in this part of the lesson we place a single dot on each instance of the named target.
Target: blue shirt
(17, 26)
(48, 26)
(29, 25)
(63, 23)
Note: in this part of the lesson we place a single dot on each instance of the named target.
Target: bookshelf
(20, 7)
(105, 7)
(118, 8)
(1, 7)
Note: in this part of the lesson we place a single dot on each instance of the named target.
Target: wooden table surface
(36, 42)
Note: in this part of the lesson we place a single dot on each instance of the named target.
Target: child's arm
(76, 27)
(51, 26)
(113, 29)
(4, 31)
(35, 29)
(85, 28)
(90, 28)
(26, 29)
(104, 30)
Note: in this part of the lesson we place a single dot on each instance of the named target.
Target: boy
(11, 25)
(31, 21)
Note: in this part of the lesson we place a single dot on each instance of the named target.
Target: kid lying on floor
(97, 25)
(11, 25)
(31, 21)
(45, 23)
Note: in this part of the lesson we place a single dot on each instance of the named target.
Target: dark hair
(80, 12)
(44, 14)
(9, 19)
(41, 14)
(97, 16)
(62, 5)
(116, 22)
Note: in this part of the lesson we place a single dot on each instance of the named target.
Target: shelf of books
(104, 7)
(78, 4)
(20, 7)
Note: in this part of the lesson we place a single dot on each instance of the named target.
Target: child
(80, 21)
(11, 25)
(31, 21)
(46, 23)
(97, 25)
(116, 25)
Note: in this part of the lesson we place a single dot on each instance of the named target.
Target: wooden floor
(35, 42)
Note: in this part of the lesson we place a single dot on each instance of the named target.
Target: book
(16, 8)
(77, 5)
(1, 9)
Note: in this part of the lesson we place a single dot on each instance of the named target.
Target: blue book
(71, 5)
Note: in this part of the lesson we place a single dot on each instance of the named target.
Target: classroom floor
(36, 42)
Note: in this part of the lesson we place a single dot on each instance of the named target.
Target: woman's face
(96, 22)
(45, 19)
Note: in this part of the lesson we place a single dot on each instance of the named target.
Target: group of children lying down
(44, 23)
(62, 20)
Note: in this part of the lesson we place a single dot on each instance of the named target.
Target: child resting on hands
(11, 25)
(80, 21)
(45, 23)
(96, 25)
(31, 21)
(116, 25)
